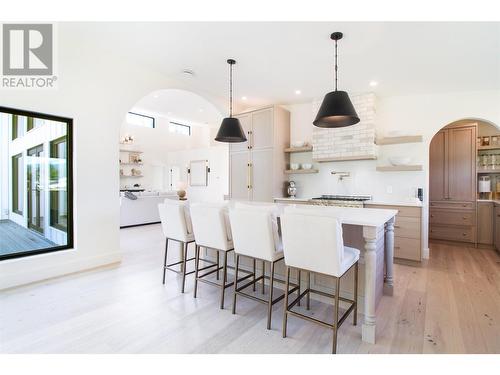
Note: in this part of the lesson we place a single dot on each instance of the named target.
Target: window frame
(53, 150)
(143, 115)
(15, 183)
(15, 127)
(179, 124)
(69, 173)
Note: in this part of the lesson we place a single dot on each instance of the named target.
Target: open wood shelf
(301, 171)
(483, 148)
(482, 171)
(131, 163)
(131, 151)
(346, 158)
(398, 140)
(298, 149)
(129, 175)
(399, 168)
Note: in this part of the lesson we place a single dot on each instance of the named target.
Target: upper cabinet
(453, 164)
(257, 166)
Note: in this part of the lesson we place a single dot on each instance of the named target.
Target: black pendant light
(336, 111)
(230, 130)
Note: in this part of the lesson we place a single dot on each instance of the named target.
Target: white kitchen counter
(409, 203)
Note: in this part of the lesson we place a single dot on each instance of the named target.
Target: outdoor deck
(14, 238)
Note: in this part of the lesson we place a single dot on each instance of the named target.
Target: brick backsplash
(351, 141)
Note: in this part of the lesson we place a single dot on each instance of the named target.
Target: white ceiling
(181, 106)
(275, 59)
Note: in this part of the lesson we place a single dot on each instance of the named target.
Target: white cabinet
(257, 166)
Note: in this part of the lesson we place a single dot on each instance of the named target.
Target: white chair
(256, 236)
(176, 223)
(312, 241)
(212, 230)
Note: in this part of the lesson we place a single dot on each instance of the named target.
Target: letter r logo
(27, 49)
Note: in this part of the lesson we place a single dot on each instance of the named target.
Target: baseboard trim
(425, 253)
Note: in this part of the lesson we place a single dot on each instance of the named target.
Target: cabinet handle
(397, 247)
(465, 218)
(250, 171)
(432, 215)
(397, 226)
(464, 234)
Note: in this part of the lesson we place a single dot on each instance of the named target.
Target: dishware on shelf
(297, 144)
(307, 166)
(294, 166)
(292, 189)
(399, 160)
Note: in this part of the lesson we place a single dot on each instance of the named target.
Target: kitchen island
(372, 232)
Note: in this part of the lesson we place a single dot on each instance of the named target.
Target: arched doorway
(464, 183)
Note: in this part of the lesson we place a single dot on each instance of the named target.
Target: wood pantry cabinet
(497, 227)
(452, 184)
(256, 167)
(485, 223)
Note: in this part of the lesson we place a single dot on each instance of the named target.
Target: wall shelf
(298, 149)
(301, 171)
(399, 140)
(129, 175)
(485, 148)
(346, 158)
(399, 168)
(131, 163)
(131, 151)
(483, 171)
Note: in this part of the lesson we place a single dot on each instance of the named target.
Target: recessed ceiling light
(298, 92)
(373, 83)
(169, 113)
(188, 73)
(244, 98)
(200, 110)
(156, 96)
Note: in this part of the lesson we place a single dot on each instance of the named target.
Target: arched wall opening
(455, 163)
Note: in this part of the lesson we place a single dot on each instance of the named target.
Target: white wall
(412, 114)
(95, 90)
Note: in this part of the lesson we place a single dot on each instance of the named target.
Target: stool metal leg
(298, 283)
(165, 261)
(336, 315)
(254, 261)
(217, 276)
(308, 297)
(263, 279)
(355, 318)
(270, 303)
(184, 264)
(285, 310)
(236, 268)
(196, 267)
(224, 279)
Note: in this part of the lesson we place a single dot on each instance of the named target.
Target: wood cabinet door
(485, 222)
(262, 129)
(239, 175)
(462, 163)
(438, 177)
(497, 228)
(262, 175)
(246, 124)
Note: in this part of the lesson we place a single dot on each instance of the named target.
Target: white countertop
(410, 203)
(372, 217)
(489, 200)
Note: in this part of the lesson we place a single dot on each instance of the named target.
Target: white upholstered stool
(256, 236)
(212, 230)
(176, 225)
(312, 241)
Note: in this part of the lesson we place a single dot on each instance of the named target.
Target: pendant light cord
(336, 66)
(230, 90)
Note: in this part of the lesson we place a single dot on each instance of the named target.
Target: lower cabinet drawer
(407, 248)
(452, 205)
(408, 227)
(462, 234)
(452, 217)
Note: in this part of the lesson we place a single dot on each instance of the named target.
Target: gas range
(355, 201)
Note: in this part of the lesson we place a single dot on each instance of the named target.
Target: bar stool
(255, 235)
(176, 225)
(312, 241)
(212, 230)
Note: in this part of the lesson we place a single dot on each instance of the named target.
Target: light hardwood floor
(449, 305)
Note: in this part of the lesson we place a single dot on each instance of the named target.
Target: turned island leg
(370, 259)
(389, 258)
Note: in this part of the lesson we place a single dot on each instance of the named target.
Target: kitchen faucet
(341, 175)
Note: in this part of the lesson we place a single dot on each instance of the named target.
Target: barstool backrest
(176, 220)
(211, 225)
(254, 230)
(312, 240)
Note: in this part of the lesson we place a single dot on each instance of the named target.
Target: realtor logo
(28, 56)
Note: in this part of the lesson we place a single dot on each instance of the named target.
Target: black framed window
(141, 120)
(39, 215)
(17, 183)
(175, 127)
(15, 125)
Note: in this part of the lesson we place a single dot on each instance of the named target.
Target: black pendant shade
(336, 111)
(230, 130)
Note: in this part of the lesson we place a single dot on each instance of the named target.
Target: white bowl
(400, 160)
(294, 166)
(307, 166)
(298, 144)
